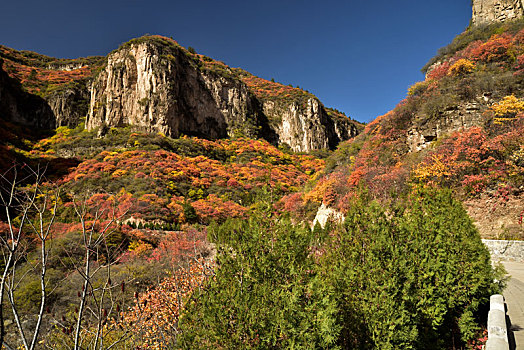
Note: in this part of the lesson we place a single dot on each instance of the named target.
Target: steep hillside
(299, 118)
(155, 85)
(219, 179)
(18, 105)
(462, 127)
(155, 195)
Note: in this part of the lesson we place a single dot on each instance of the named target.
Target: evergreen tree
(265, 295)
(189, 213)
(410, 277)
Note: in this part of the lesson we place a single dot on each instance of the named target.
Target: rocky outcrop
(300, 128)
(159, 87)
(326, 214)
(426, 130)
(345, 129)
(308, 127)
(492, 11)
(21, 107)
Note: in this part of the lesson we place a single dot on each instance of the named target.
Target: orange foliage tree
(153, 320)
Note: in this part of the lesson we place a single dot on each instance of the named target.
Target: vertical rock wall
(162, 89)
(21, 107)
(492, 11)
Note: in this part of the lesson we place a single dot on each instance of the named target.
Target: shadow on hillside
(58, 167)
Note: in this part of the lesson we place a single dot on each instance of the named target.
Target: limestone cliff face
(308, 127)
(21, 107)
(160, 89)
(491, 11)
(303, 129)
(163, 88)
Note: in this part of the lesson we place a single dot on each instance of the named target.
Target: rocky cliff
(424, 130)
(307, 127)
(156, 85)
(69, 105)
(62, 84)
(491, 11)
(158, 88)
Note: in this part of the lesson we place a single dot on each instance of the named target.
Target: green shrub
(265, 295)
(410, 277)
(438, 103)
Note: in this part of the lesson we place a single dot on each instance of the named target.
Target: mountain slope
(134, 205)
(163, 192)
(463, 127)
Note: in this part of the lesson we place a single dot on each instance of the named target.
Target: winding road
(514, 295)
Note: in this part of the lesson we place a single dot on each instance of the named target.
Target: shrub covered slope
(462, 128)
(160, 243)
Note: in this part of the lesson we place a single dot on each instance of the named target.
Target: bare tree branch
(31, 206)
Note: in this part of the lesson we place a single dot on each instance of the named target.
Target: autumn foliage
(153, 319)
(497, 48)
(461, 67)
(507, 110)
(212, 179)
(480, 158)
(42, 75)
(270, 90)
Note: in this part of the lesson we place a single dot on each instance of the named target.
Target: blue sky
(357, 56)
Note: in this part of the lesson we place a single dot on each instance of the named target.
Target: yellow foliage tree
(432, 172)
(321, 189)
(507, 109)
(153, 320)
(461, 67)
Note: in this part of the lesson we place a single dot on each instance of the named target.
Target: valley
(157, 198)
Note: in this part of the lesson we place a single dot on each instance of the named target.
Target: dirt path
(514, 295)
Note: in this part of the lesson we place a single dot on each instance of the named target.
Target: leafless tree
(29, 206)
(96, 224)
